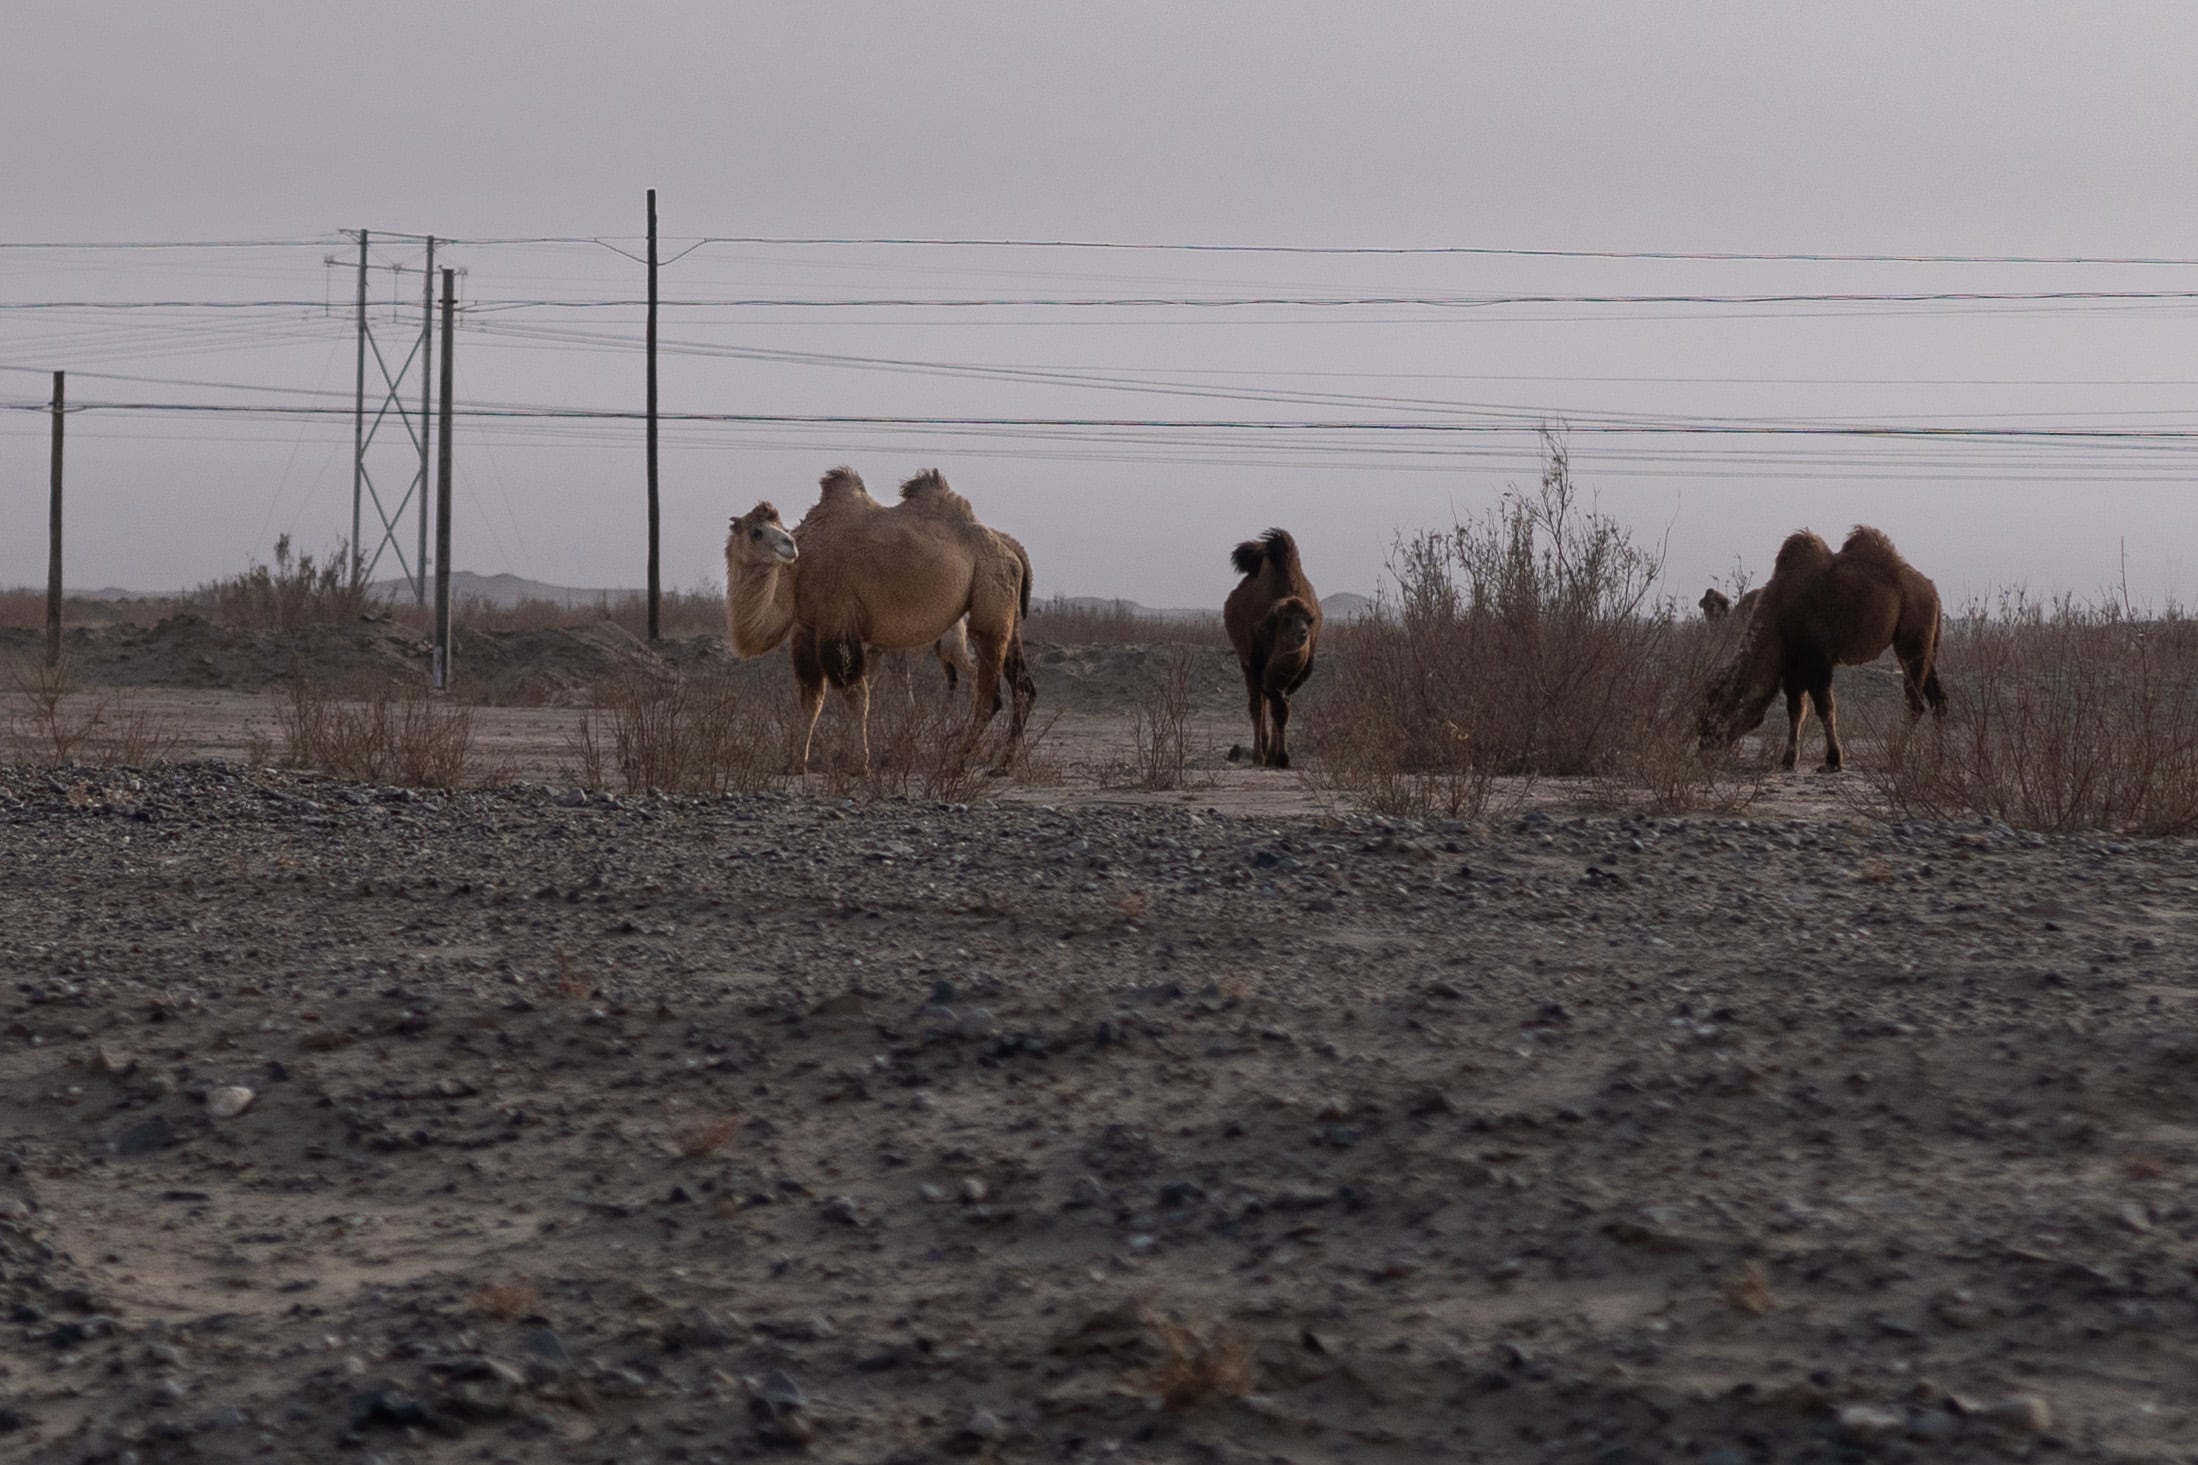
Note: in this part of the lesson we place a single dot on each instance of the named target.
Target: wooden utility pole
(427, 342)
(655, 585)
(442, 496)
(53, 533)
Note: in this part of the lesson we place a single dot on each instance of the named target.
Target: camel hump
(1800, 547)
(928, 490)
(1864, 542)
(1275, 547)
(842, 479)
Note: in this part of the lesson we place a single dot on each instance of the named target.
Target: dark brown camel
(1821, 610)
(1273, 620)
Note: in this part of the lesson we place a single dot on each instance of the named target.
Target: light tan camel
(855, 575)
(1273, 621)
(1820, 610)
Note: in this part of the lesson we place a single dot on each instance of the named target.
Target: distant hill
(1344, 605)
(502, 591)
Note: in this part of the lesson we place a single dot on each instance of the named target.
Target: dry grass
(705, 1137)
(51, 720)
(2061, 717)
(506, 1302)
(1747, 1288)
(572, 984)
(923, 742)
(699, 734)
(382, 733)
(1197, 1364)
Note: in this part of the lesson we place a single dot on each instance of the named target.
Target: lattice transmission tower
(381, 396)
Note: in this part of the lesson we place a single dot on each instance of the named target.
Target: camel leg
(1797, 707)
(1259, 719)
(988, 655)
(1278, 747)
(1821, 695)
(809, 682)
(857, 693)
(1022, 697)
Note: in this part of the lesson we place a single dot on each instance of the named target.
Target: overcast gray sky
(1979, 129)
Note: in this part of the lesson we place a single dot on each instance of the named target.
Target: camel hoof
(1280, 760)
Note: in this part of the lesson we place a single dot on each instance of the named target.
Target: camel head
(1715, 607)
(1292, 619)
(1732, 707)
(759, 541)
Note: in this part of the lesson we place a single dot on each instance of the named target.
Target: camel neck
(759, 609)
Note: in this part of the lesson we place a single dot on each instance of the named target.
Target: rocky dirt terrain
(350, 1122)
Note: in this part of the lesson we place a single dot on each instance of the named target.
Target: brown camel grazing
(1273, 620)
(855, 575)
(1821, 610)
(1716, 605)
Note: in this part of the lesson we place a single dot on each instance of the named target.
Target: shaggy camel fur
(1273, 620)
(1821, 610)
(855, 574)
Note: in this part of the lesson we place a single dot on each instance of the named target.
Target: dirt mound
(1112, 678)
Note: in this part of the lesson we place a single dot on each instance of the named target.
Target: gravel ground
(687, 1130)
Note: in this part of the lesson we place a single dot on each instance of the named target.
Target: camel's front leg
(1278, 747)
(1797, 707)
(1822, 696)
(857, 693)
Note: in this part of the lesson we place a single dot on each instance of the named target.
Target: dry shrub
(923, 739)
(2060, 717)
(506, 1301)
(1059, 622)
(383, 733)
(705, 1137)
(1160, 722)
(291, 593)
(1747, 1288)
(1525, 644)
(1196, 1364)
(572, 984)
(52, 720)
(700, 733)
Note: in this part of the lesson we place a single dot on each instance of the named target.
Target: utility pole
(358, 432)
(655, 587)
(427, 340)
(442, 498)
(53, 534)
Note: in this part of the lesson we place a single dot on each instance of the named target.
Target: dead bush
(700, 733)
(1196, 1363)
(1160, 722)
(293, 592)
(2061, 717)
(51, 720)
(1526, 644)
(381, 733)
(506, 1301)
(923, 739)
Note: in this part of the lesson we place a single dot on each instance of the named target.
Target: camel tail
(1275, 547)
